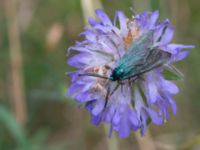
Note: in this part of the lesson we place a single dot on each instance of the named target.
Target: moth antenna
(94, 75)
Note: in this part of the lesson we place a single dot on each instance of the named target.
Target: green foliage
(173, 74)
(45, 81)
(21, 141)
(14, 129)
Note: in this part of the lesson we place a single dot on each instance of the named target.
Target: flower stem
(141, 5)
(88, 7)
(17, 89)
(146, 142)
(111, 142)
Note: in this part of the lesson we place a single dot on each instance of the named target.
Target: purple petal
(168, 35)
(79, 60)
(170, 87)
(144, 124)
(116, 118)
(133, 118)
(74, 75)
(110, 114)
(96, 119)
(124, 129)
(155, 117)
(83, 97)
(92, 22)
(159, 29)
(103, 16)
(72, 89)
(173, 104)
(163, 108)
(153, 92)
(181, 55)
(77, 48)
(90, 105)
(99, 106)
(153, 19)
(122, 21)
(175, 48)
(90, 35)
(181, 46)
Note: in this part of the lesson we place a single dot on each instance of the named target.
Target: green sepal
(149, 121)
(172, 74)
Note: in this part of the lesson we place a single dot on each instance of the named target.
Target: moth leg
(131, 79)
(120, 83)
(141, 78)
(122, 88)
(129, 82)
(116, 87)
(107, 96)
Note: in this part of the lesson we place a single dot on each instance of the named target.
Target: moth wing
(137, 51)
(141, 43)
(154, 59)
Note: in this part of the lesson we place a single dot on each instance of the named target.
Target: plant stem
(141, 5)
(88, 7)
(146, 142)
(112, 142)
(17, 82)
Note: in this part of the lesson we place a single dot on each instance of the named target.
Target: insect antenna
(94, 75)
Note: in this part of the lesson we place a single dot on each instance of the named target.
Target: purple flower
(131, 105)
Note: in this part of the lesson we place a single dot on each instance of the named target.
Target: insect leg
(116, 87)
(109, 93)
(122, 87)
(141, 78)
(107, 96)
(129, 82)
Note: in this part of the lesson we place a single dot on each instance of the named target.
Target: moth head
(117, 74)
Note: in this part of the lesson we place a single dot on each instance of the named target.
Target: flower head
(126, 102)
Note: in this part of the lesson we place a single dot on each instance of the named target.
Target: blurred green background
(34, 36)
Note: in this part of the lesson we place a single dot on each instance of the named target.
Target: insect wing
(139, 46)
(135, 54)
(154, 59)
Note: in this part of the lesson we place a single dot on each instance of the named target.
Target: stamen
(133, 33)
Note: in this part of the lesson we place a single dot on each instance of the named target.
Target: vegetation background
(35, 113)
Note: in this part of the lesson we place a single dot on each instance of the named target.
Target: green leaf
(13, 127)
(172, 74)
(149, 121)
